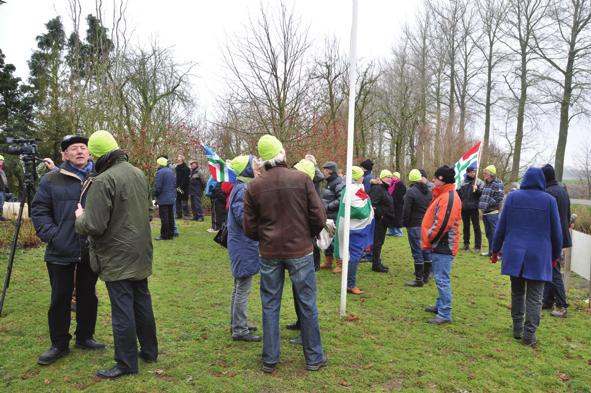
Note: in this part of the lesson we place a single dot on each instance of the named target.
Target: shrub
(583, 222)
(27, 237)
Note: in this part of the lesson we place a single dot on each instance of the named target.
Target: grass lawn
(384, 346)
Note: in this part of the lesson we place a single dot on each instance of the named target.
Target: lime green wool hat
(492, 169)
(385, 173)
(307, 167)
(239, 164)
(414, 176)
(1, 157)
(101, 142)
(357, 172)
(396, 175)
(162, 161)
(269, 147)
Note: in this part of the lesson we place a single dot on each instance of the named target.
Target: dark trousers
(554, 292)
(526, 305)
(379, 235)
(196, 206)
(182, 206)
(490, 225)
(61, 278)
(218, 213)
(133, 320)
(166, 221)
(471, 216)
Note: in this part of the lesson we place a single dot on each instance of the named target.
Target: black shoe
(432, 309)
(248, 337)
(252, 328)
(414, 283)
(518, 335)
(51, 355)
(293, 326)
(89, 343)
(317, 366)
(438, 321)
(380, 268)
(427, 273)
(466, 247)
(269, 368)
(176, 234)
(146, 358)
(114, 373)
(547, 307)
(296, 341)
(530, 341)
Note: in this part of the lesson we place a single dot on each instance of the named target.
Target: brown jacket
(283, 211)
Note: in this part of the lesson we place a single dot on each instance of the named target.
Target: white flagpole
(349, 178)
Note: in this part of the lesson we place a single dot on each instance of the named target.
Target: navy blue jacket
(529, 231)
(165, 186)
(52, 212)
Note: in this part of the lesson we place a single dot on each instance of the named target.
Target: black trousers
(467, 217)
(133, 320)
(166, 221)
(182, 205)
(218, 213)
(379, 235)
(61, 278)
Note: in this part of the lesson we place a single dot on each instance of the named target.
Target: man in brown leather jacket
(283, 211)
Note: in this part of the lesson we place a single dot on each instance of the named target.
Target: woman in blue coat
(529, 237)
(244, 252)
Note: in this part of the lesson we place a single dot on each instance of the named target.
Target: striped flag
(218, 168)
(362, 223)
(470, 157)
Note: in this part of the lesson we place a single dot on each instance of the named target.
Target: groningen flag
(362, 223)
(218, 168)
(470, 157)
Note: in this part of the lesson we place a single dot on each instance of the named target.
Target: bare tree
(583, 159)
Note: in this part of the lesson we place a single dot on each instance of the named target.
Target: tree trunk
(520, 121)
(564, 117)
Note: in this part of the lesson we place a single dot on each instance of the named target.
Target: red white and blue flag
(217, 167)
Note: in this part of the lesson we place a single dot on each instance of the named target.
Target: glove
(179, 190)
(494, 258)
(554, 263)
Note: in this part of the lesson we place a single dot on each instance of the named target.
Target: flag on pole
(217, 167)
(470, 157)
(362, 223)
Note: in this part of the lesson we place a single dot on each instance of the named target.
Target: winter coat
(381, 202)
(416, 201)
(528, 231)
(469, 197)
(318, 178)
(52, 212)
(283, 212)
(116, 220)
(331, 195)
(3, 180)
(398, 198)
(210, 187)
(367, 181)
(491, 196)
(196, 183)
(559, 192)
(165, 186)
(244, 252)
(182, 180)
(437, 235)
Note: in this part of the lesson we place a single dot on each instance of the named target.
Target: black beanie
(446, 174)
(367, 164)
(423, 173)
(71, 139)
(549, 173)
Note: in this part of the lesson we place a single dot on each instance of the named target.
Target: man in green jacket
(116, 221)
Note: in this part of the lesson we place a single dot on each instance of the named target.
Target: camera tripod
(27, 193)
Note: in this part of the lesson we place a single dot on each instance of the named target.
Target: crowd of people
(94, 213)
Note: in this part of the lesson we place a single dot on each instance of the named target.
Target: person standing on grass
(116, 220)
(554, 292)
(416, 201)
(490, 202)
(470, 195)
(383, 207)
(397, 189)
(196, 187)
(331, 199)
(182, 187)
(283, 212)
(209, 192)
(66, 255)
(244, 252)
(165, 194)
(440, 234)
(529, 237)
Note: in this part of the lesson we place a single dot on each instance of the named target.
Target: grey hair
(278, 159)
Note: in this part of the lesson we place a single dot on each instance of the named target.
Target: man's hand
(179, 190)
(310, 157)
(494, 258)
(49, 163)
(474, 187)
(79, 211)
(555, 262)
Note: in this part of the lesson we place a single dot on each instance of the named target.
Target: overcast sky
(197, 31)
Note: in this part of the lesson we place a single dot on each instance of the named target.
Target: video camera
(22, 146)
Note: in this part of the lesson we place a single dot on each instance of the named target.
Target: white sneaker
(211, 230)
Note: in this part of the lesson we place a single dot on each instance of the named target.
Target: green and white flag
(470, 157)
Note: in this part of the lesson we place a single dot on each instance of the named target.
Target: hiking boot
(379, 268)
(414, 283)
(317, 366)
(355, 291)
(269, 368)
(339, 267)
(293, 326)
(560, 312)
(432, 309)
(438, 321)
(327, 264)
(530, 341)
(248, 337)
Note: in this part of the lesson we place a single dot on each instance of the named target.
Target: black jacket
(416, 201)
(182, 180)
(382, 203)
(470, 198)
(559, 192)
(52, 212)
(398, 199)
(331, 195)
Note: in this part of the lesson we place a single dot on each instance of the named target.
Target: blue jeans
(175, 230)
(352, 274)
(1, 202)
(394, 231)
(490, 224)
(414, 240)
(442, 272)
(303, 279)
(196, 206)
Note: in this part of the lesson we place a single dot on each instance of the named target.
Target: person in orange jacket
(440, 233)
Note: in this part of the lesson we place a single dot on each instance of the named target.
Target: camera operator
(3, 187)
(53, 216)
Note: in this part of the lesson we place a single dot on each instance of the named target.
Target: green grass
(388, 347)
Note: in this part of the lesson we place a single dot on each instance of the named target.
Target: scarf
(392, 186)
(82, 173)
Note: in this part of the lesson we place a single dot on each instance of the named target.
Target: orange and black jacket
(440, 232)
